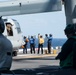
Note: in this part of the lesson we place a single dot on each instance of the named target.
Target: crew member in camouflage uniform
(67, 56)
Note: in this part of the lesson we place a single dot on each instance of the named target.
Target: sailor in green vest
(67, 56)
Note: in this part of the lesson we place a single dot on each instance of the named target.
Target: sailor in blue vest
(49, 43)
(5, 50)
(32, 44)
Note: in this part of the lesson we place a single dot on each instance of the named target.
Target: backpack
(26, 40)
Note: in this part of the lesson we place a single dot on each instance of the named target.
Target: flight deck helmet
(71, 28)
(46, 35)
(2, 26)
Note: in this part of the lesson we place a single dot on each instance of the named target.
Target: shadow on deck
(48, 70)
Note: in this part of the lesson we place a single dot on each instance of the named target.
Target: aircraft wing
(18, 7)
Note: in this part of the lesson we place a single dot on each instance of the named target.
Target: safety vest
(69, 61)
(41, 40)
(32, 40)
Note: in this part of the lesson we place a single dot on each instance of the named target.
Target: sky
(43, 23)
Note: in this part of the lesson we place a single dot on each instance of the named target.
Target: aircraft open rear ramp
(17, 7)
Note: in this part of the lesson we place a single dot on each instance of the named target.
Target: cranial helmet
(2, 26)
(71, 28)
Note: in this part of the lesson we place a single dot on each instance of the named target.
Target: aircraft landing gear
(14, 53)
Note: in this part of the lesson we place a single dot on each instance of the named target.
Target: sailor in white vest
(5, 50)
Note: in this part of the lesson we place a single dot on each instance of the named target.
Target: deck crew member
(49, 43)
(5, 50)
(25, 45)
(41, 42)
(32, 44)
(67, 56)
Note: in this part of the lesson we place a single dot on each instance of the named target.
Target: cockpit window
(17, 26)
(9, 29)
